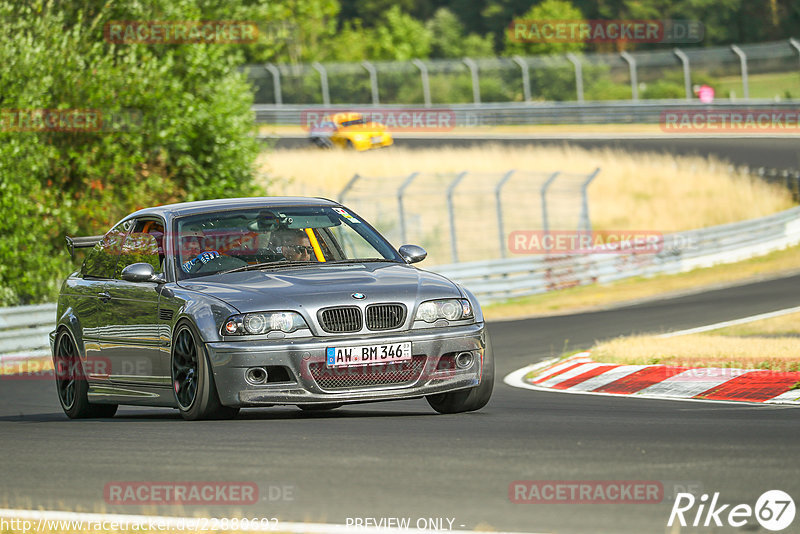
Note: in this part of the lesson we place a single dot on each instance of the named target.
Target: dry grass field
(766, 344)
(646, 192)
(632, 191)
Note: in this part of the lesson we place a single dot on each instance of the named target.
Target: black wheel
(318, 407)
(471, 399)
(192, 379)
(71, 381)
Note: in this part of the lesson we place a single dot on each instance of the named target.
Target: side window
(102, 260)
(143, 245)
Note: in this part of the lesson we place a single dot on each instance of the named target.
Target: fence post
(526, 77)
(476, 88)
(586, 223)
(578, 74)
(543, 194)
(687, 74)
(323, 81)
(450, 189)
(276, 82)
(498, 205)
(400, 191)
(743, 61)
(795, 44)
(631, 61)
(373, 80)
(426, 86)
(347, 187)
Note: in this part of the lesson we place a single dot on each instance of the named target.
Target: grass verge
(766, 344)
(769, 85)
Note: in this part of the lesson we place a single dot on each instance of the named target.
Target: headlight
(262, 323)
(450, 309)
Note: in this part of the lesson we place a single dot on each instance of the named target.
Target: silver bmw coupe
(216, 305)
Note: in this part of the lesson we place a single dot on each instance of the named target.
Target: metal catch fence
(466, 216)
(631, 76)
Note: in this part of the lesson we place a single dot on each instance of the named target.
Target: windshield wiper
(266, 265)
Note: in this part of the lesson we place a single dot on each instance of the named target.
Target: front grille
(339, 320)
(385, 316)
(383, 374)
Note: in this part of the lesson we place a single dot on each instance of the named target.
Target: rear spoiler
(82, 242)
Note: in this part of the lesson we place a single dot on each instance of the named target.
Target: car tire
(472, 399)
(319, 407)
(192, 379)
(349, 145)
(71, 383)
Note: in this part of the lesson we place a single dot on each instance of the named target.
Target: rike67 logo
(774, 510)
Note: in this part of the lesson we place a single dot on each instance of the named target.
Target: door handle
(104, 296)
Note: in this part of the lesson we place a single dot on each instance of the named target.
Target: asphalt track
(757, 151)
(403, 460)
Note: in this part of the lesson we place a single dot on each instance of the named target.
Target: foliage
(449, 39)
(174, 124)
(548, 10)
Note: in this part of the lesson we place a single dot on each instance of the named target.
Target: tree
(448, 39)
(401, 37)
(168, 123)
(549, 10)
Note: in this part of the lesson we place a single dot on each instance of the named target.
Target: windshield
(354, 122)
(216, 242)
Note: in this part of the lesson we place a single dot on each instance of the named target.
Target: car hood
(370, 127)
(319, 286)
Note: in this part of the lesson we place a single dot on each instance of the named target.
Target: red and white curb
(581, 374)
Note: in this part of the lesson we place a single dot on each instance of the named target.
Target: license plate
(368, 354)
(377, 140)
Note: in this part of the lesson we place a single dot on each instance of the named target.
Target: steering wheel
(212, 261)
(220, 263)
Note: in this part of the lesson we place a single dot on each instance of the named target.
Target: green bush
(182, 131)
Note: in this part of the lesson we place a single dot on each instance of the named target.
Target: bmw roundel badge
(358, 296)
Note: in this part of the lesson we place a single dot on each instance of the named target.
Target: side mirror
(140, 272)
(413, 253)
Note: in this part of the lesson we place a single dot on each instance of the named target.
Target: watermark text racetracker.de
(140, 493)
(731, 121)
(181, 32)
(140, 524)
(567, 242)
(604, 31)
(586, 492)
(394, 119)
(75, 120)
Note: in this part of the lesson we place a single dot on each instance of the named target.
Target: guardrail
(24, 331)
(498, 280)
(526, 113)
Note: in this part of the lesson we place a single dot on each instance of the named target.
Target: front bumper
(305, 358)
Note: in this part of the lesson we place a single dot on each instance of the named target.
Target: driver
(191, 247)
(294, 245)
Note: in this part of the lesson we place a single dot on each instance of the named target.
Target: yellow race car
(350, 130)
